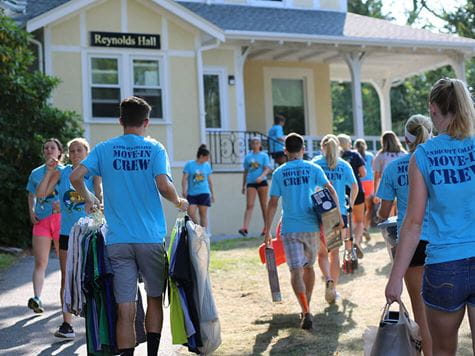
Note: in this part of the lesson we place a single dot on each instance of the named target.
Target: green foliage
(27, 120)
(372, 8)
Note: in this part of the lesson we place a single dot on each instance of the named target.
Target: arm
(362, 171)
(184, 185)
(211, 188)
(354, 190)
(377, 179)
(49, 181)
(335, 198)
(410, 232)
(270, 213)
(77, 180)
(31, 208)
(168, 191)
(265, 172)
(385, 209)
(244, 175)
(98, 187)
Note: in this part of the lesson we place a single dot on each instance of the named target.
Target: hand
(51, 164)
(34, 218)
(393, 290)
(268, 238)
(376, 200)
(259, 179)
(342, 223)
(212, 198)
(182, 204)
(185, 194)
(92, 204)
(243, 190)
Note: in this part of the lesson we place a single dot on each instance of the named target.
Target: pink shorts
(48, 227)
(368, 187)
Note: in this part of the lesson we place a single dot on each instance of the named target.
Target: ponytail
(202, 151)
(330, 147)
(418, 129)
(452, 96)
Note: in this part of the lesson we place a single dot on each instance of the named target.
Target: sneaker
(366, 235)
(65, 331)
(35, 305)
(306, 321)
(359, 251)
(330, 292)
(243, 232)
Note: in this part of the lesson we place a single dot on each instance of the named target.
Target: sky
(397, 8)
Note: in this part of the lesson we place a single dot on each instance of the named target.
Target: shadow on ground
(322, 339)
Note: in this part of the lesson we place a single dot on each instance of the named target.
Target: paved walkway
(24, 333)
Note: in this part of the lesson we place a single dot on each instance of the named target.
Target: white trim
(115, 121)
(184, 54)
(344, 5)
(83, 29)
(266, 3)
(65, 48)
(316, 4)
(164, 37)
(56, 13)
(123, 16)
(239, 60)
(304, 74)
(48, 59)
(222, 74)
(288, 37)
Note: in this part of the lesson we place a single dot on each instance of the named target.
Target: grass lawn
(6, 260)
(252, 325)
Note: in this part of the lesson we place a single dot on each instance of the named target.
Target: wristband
(179, 204)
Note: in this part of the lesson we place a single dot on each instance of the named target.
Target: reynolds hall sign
(128, 40)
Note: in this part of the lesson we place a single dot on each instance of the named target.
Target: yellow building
(217, 71)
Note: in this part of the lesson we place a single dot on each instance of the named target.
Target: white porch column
(383, 88)
(240, 56)
(354, 60)
(458, 64)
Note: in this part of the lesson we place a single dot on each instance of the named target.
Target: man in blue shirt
(295, 181)
(132, 167)
(276, 140)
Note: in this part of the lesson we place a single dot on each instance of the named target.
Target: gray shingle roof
(37, 7)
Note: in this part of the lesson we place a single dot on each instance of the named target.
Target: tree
(27, 120)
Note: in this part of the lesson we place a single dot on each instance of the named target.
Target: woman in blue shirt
(367, 182)
(254, 182)
(442, 174)
(395, 185)
(72, 209)
(341, 176)
(197, 186)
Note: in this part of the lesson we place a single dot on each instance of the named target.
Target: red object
(278, 247)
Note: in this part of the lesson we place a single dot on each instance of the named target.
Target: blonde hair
(452, 96)
(419, 126)
(390, 143)
(330, 148)
(345, 141)
(82, 141)
(361, 147)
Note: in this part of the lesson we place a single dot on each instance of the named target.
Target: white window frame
(91, 85)
(160, 63)
(222, 74)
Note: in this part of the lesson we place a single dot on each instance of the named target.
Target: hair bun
(202, 146)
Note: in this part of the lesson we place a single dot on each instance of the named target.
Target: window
(288, 100)
(146, 84)
(105, 87)
(212, 101)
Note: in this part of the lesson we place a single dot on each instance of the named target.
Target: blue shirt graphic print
(448, 168)
(254, 164)
(340, 177)
(276, 132)
(72, 204)
(395, 185)
(198, 174)
(44, 207)
(128, 165)
(295, 181)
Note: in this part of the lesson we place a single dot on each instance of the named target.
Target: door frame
(221, 72)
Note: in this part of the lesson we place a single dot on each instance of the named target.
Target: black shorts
(257, 185)
(359, 198)
(419, 257)
(63, 242)
(199, 199)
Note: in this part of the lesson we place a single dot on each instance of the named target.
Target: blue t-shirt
(72, 204)
(368, 157)
(44, 206)
(276, 132)
(448, 168)
(128, 165)
(340, 178)
(395, 185)
(254, 164)
(295, 181)
(198, 174)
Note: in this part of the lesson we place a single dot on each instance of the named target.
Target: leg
(298, 285)
(358, 220)
(413, 279)
(250, 200)
(471, 319)
(323, 261)
(41, 248)
(368, 212)
(192, 213)
(444, 328)
(126, 325)
(154, 315)
(203, 209)
(67, 317)
(309, 282)
(262, 192)
(335, 265)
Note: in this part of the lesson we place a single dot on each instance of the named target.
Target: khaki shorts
(301, 248)
(127, 260)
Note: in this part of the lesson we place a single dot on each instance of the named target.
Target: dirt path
(253, 325)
